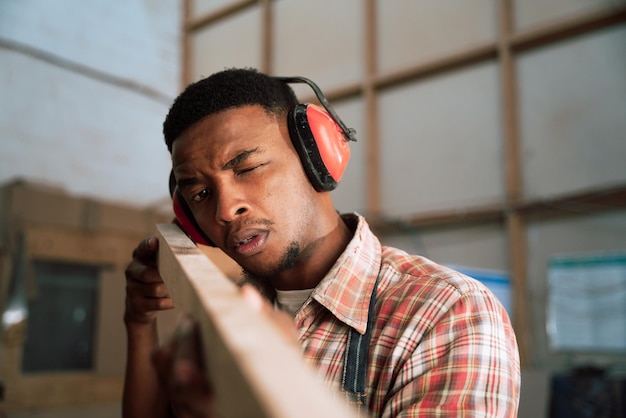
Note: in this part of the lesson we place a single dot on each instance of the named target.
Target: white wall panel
(573, 114)
(440, 143)
(530, 13)
(91, 138)
(136, 40)
(321, 40)
(350, 195)
(412, 32)
(232, 42)
(483, 247)
(202, 7)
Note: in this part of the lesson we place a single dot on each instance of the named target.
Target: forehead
(221, 134)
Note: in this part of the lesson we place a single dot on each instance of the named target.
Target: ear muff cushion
(321, 145)
(186, 221)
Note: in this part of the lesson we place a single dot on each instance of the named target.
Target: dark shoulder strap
(357, 352)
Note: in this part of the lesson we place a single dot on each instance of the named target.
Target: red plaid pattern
(442, 344)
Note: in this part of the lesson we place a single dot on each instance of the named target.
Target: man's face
(240, 175)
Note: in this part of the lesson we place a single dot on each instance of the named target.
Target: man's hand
(181, 369)
(146, 293)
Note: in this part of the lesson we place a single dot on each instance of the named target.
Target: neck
(316, 260)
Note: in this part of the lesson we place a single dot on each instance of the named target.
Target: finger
(188, 341)
(149, 290)
(146, 250)
(138, 304)
(156, 290)
(189, 390)
(163, 358)
(139, 272)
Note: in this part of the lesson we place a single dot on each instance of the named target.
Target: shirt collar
(347, 288)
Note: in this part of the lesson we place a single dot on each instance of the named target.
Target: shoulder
(425, 292)
(401, 270)
(443, 333)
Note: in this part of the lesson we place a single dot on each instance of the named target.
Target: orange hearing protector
(321, 140)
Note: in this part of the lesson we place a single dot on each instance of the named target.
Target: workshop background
(491, 138)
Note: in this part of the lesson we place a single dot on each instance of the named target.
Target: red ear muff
(186, 221)
(321, 145)
(320, 138)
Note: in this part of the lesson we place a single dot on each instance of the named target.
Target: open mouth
(247, 240)
(251, 244)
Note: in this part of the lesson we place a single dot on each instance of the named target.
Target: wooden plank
(255, 369)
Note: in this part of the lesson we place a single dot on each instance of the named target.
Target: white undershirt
(291, 300)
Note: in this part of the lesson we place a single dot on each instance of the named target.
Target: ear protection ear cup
(321, 145)
(186, 221)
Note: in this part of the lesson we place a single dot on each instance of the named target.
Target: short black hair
(227, 89)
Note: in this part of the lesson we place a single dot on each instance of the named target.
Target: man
(440, 344)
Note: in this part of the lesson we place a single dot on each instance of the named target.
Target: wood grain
(255, 369)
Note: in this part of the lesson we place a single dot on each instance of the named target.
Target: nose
(230, 205)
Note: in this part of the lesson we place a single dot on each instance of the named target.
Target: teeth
(245, 241)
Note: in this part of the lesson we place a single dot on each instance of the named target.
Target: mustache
(257, 221)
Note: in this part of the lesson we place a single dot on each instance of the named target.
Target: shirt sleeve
(466, 366)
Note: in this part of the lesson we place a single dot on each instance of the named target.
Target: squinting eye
(247, 170)
(203, 194)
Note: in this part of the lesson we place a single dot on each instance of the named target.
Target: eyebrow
(186, 182)
(240, 158)
(234, 162)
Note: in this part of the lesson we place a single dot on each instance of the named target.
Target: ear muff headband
(320, 138)
(349, 133)
(186, 221)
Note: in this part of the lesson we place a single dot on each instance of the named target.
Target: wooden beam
(443, 218)
(518, 267)
(450, 62)
(585, 202)
(480, 53)
(372, 185)
(520, 41)
(516, 229)
(567, 28)
(197, 23)
(255, 369)
(267, 41)
(580, 203)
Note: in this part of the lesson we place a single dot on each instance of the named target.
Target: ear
(186, 221)
(321, 145)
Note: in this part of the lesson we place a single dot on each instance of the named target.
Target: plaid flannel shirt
(442, 344)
